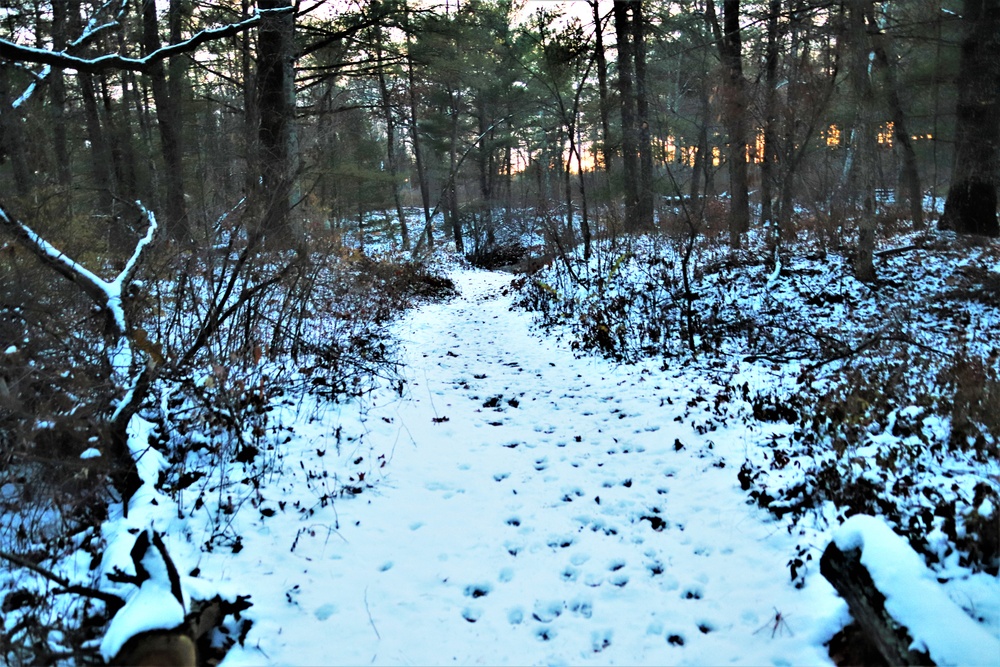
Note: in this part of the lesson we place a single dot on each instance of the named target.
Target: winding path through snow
(534, 508)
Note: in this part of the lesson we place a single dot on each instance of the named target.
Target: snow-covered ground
(512, 502)
(534, 508)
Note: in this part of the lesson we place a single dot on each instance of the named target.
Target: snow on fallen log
(898, 602)
(150, 628)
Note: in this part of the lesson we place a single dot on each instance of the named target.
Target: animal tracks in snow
(551, 519)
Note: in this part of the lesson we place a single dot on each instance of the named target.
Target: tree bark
(850, 578)
(58, 92)
(602, 89)
(168, 121)
(451, 191)
(770, 157)
(390, 140)
(910, 172)
(626, 90)
(276, 109)
(425, 191)
(863, 139)
(971, 207)
(11, 139)
(729, 39)
(645, 187)
(100, 156)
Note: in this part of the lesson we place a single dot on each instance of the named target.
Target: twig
(113, 602)
(370, 619)
(892, 252)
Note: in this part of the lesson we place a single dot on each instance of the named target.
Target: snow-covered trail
(535, 508)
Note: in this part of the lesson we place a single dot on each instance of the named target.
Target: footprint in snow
(560, 542)
(582, 607)
(325, 612)
(546, 612)
(472, 614)
(479, 590)
(692, 593)
(619, 579)
(600, 640)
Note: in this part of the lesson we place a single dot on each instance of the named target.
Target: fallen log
(850, 578)
(898, 602)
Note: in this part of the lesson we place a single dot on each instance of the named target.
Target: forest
(278, 281)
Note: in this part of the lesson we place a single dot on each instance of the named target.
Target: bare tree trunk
(100, 156)
(626, 89)
(168, 121)
(730, 43)
(390, 140)
(863, 147)
(602, 89)
(276, 109)
(58, 91)
(971, 207)
(425, 191)
(584, 212)
(911, 175)
(644, 209)
(11, 148)
(770, 157)
(451, 187)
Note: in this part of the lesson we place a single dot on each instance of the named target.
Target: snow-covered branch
(17, 52)
(92, 29)
(106, 294)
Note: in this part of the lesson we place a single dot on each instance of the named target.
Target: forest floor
(533, 508)
(514, 497)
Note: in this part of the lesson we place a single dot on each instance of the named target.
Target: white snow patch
(914, 598)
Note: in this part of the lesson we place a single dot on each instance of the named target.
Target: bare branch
(112, 601)
(107, 295)
(17, 52)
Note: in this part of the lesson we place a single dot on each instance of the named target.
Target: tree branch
(19, 53)
(112, 601)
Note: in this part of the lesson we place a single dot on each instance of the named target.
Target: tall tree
(168, 119)
(602, 87)
(910, 189)
(276, 114)
(636, 164)
(630, 140)
(418, 158)
(971, 207)
(770, 130)
(861, 158)
(729, 40)
(389, 117)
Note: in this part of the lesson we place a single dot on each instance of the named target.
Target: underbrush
(224, 347)
(880, 399)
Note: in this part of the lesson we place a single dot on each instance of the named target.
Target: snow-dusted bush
(209, 344)
(888, 400)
